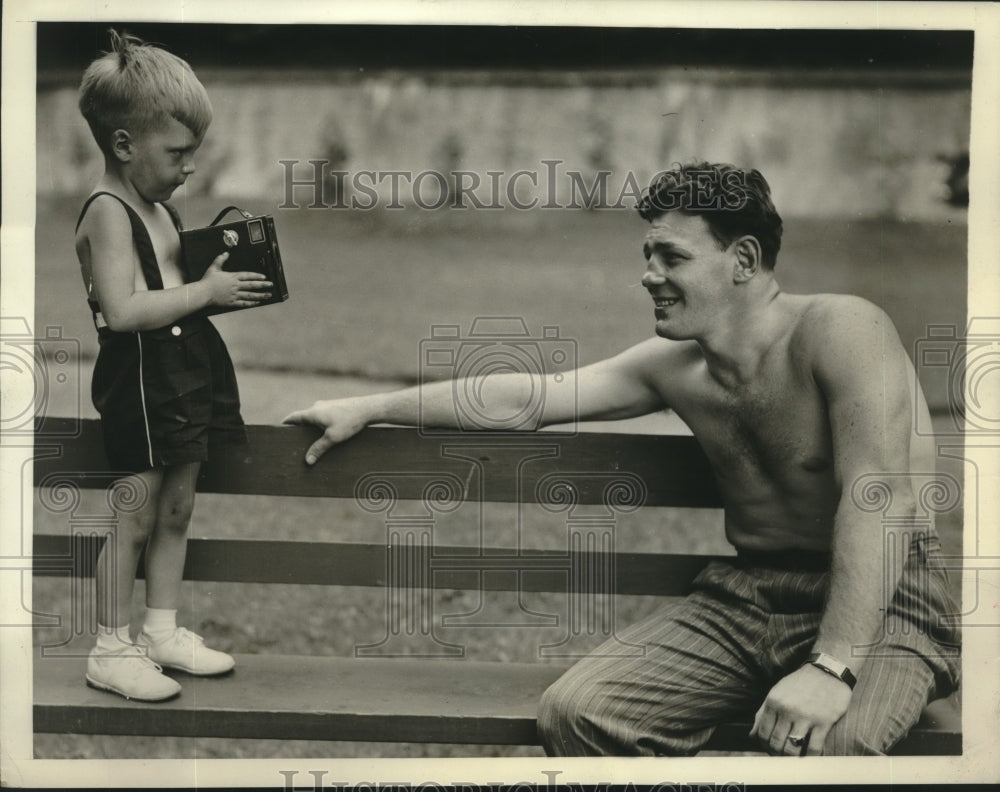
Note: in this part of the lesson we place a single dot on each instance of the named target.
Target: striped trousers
(713, 656)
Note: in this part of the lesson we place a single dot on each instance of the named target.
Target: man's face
(162, 159)
(687, 275)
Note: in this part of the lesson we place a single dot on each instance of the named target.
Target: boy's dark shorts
(165, 396)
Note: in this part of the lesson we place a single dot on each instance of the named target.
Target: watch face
(835, 664)
(833, 667)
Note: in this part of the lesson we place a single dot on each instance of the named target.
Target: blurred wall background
(849, 124)
(863, 136)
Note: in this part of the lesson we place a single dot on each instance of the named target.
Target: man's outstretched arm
(619, 387)
(866, 379)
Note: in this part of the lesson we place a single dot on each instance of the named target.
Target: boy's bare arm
(619, 387)
(108, 234)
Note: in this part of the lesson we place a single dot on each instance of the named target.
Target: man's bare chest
(774, 428)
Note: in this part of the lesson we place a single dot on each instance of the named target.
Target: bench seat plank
(400, 699)
(372, 699)
(313, 698)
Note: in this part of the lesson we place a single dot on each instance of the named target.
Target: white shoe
(130, 673)
(186, 651)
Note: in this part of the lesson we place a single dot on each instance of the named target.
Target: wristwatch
(833, 667)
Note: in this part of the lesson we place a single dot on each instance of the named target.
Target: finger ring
(797, 742)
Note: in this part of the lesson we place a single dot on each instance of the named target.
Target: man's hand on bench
(340, 420)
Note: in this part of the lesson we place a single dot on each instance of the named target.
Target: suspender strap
(143, 244)
(173, 216)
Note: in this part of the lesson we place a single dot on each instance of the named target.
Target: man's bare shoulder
(834, 322)
(841, 335)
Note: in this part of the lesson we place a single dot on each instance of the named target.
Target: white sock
(160, 623)
(112, 639)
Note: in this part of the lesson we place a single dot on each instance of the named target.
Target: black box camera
(252, 245)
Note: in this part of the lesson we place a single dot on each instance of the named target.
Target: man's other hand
(804, 706)
(340, 419)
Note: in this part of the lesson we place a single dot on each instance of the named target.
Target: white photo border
(982, 671)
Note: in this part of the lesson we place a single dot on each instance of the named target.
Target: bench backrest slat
(361, 564)
(505, 468)
(621, 472)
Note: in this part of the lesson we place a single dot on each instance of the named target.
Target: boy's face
(161, 159)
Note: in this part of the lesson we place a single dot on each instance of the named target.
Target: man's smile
(665, 302)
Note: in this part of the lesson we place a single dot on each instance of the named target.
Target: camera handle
(229, 209)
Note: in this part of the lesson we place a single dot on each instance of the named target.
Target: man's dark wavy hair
(734, 202)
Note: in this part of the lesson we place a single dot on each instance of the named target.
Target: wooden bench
(408, 697)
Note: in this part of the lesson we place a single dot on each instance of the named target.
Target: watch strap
(833, 667)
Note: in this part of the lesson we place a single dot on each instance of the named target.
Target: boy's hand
(339, 419)
(234, 289)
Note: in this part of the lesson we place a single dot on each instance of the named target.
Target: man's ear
(121, 145)
(748, 258)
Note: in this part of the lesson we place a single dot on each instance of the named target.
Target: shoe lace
(138, 654)
(185, 635)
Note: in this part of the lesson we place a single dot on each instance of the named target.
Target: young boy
(163, 382)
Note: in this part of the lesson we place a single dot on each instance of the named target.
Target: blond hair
(137, 86)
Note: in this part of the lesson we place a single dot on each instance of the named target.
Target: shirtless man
(793, 398)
